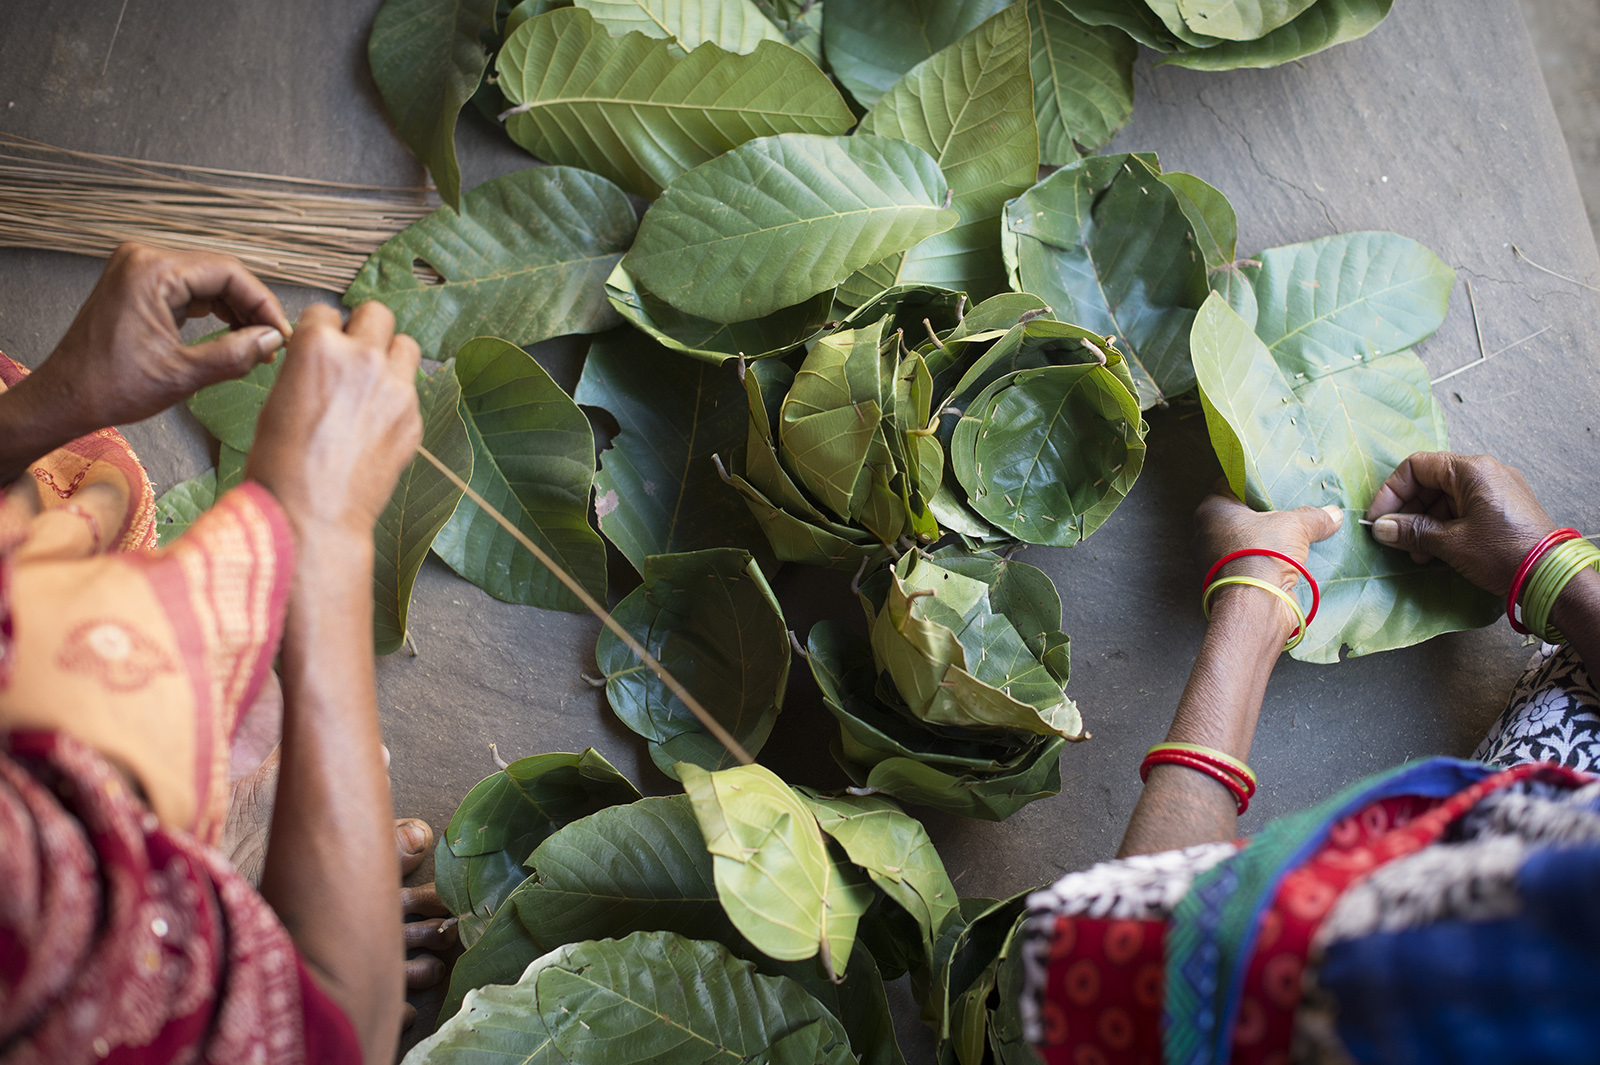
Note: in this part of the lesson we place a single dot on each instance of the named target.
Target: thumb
(1421, 534)
(233, 354)
(1319, 523)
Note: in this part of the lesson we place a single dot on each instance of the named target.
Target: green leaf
(229, 409)
(822, 206)
(181, 504)
(1106, 243)
(1239, 20)
(505, 816)
(712, 620)
(525, 259)
(897, 854)
(651, 997)
(1132, 17)
(630, 110)
(1082, 81)
(800, 21)
(970, 107)
(732, 25)
(859, 1002)
(1330, 302)
(1046, 455)
(533, 460)
(422, 502)
(525, 11)
(870, 45)
(971, 972)
(1287, 441)
(230, 468)
(775, 334)
(779, 883)
(427, 57)
(1323, 25)
(658, 491)
(623, 869)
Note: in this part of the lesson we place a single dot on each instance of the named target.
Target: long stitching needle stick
(712, 725)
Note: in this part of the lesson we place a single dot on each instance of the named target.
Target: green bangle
(1562, 563)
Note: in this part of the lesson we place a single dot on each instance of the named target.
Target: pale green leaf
(971, 107)
(780, 884)
(1239, 20)
(229, 409)
(1107, 245)
(658, 491)
(774, 334)
(1132, 17)
(422, 502)
(533, 460)
(1323, 25)
(870, 45)
(631, 111)
(479, 859)
(1331, 437)
(712, 620)
(732, 25)
(427, 57)
(653, 997)
(1082, 81)
(181, 504)
(822, 207)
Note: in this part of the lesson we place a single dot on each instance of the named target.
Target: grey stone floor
(1437, 126)
(1566, 38)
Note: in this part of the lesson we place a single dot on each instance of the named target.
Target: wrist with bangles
(1218, 765)
(1302, 619)
(1545, 572)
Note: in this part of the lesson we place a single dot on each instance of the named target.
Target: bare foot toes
(423, 901)
(423, 972)
(413, 839)
(438, 933)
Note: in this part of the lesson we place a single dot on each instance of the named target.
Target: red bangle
(1540, 549)
(1316, 593)
(1241, 797)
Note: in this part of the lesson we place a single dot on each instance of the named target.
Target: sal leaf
(774, 334)
(181, 504)
(870, 45)
(732, 25)
(1321, 26)
(1082, 81)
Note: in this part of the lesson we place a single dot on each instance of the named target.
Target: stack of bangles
(1552, 563)
(1212, 583)
(1223, 768)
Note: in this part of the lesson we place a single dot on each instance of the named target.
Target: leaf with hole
(823, 207)
(658, 491)
(427, 57)
(526, 259)
(181, 504)
(421, 504)
(1291, 435)
(652, 997)
(533, 461)
(778, 878)
(775, 334)
(969, 106)
(711, 619)
(1082, 81)
(630, 110)
(1107, 245)
(733, 25)
(479, 859)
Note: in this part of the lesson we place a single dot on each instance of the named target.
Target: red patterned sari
(124, 934)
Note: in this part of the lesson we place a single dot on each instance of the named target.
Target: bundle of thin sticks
(298, 230)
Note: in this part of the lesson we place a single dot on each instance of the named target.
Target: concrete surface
(1437, 126)
(1566, 37)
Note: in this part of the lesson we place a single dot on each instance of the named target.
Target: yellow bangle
(1294, 606)
(1243, 771)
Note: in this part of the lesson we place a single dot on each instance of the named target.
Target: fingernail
(270, 341)
(412, 835)
(1335, 512)
(1386, 531)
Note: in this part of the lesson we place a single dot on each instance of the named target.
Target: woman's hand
(1224, 525)
(342, 421)
(122, 359)
(1477, 514)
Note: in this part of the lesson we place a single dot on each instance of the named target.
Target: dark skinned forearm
(1219, 707)
(1576, 613)
(330, 865)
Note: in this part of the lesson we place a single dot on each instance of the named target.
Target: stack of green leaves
(1228, 34)
(739, 913)
(958, 699)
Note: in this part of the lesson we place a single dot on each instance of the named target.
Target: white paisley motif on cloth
(1553, 716)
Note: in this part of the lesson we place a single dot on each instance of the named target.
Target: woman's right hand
(342, 422)
(1474, 512)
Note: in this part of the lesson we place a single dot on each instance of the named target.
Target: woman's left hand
(1224, 525)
